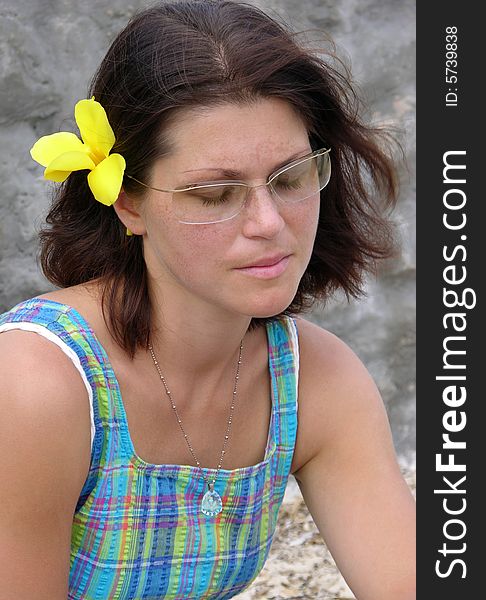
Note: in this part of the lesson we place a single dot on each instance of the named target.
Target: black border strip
(450, 354)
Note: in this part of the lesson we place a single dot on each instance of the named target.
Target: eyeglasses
(215, 202)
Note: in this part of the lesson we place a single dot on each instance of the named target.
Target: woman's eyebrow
(235, 174)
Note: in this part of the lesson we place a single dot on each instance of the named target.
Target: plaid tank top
(138, 531)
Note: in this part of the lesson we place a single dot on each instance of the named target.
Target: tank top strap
(283, 350)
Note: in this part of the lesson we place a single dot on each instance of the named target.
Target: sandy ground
(299, 566)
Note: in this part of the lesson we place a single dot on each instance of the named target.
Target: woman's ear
(129, 213)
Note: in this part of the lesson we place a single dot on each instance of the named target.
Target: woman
(198, 217)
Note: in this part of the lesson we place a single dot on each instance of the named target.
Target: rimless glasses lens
(219, 201)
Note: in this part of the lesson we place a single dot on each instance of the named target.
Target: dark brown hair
(193, 53)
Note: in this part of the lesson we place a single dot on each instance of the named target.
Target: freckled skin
(197, 262)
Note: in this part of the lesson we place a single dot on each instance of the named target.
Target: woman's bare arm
(352, 484)
(45, 449)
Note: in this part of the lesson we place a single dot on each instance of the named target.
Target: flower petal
(106, 179)
(94, 127)
(57, 176)
(66, 163)
(49, 147)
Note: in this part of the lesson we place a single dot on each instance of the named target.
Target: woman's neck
(194, 336)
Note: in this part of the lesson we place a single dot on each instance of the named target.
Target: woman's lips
(268, 271)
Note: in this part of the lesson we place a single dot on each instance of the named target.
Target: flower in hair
(62, 153)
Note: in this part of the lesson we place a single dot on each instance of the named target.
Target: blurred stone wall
(49, 49)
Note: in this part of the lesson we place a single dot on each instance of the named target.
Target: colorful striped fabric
(138, 531)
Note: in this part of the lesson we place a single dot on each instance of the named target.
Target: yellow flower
(62, 153)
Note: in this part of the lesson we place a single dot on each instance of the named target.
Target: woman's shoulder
(42, 396)
(324, 354)
(44, 431)
(32, 363)
(40, 367)
(334, 388)
(329, 369)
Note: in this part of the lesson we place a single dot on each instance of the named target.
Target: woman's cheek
(199, 249)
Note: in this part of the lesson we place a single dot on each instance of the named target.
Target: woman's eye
(214, 200)
(294, 184)
(213, 197)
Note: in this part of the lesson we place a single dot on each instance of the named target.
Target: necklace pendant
(211, 504)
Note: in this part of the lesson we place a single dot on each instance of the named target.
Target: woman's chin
(265, 308)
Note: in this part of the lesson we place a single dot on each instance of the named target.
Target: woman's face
(217, 263)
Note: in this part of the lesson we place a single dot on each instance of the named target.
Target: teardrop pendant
(211, 504)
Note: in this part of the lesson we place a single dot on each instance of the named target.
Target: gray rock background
(49, 50)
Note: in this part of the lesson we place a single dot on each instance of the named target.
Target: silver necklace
(211, 504)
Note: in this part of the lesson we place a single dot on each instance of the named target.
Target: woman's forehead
(222, 136)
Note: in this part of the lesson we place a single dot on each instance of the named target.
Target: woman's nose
(261, 213)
